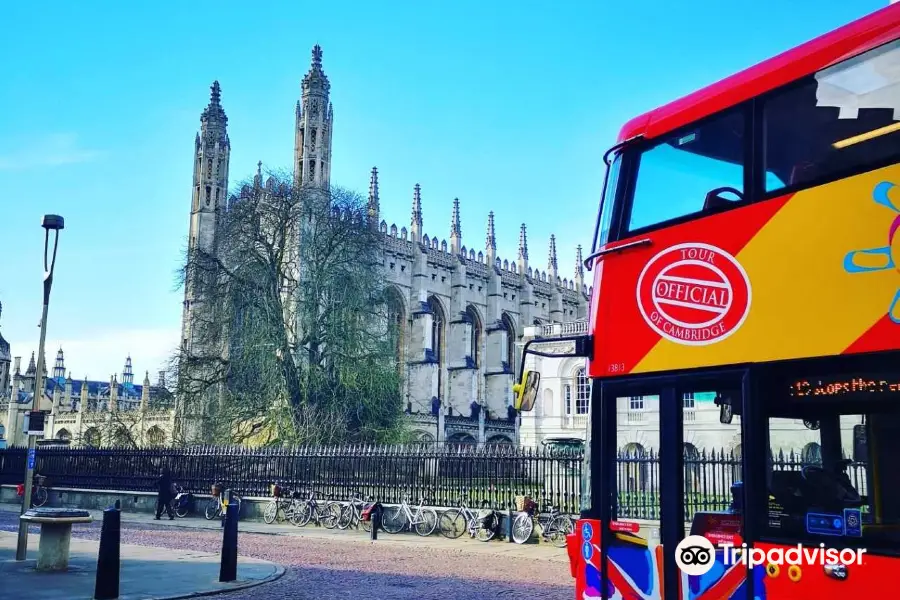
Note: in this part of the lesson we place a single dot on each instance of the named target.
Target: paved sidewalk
(146, 573)
(462, 545)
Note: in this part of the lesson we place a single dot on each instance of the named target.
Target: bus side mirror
(526, 391)
(726, 412)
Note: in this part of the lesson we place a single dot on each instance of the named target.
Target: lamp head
(55, 222)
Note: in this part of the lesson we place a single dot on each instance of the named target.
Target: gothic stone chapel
(462, 311)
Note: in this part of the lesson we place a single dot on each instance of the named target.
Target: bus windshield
(696, 169)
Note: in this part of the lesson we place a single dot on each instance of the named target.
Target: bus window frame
(766, 377)
(631, 170)
(761, 103)
(754, 161)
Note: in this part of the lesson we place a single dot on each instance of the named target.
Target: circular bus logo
(694, 294)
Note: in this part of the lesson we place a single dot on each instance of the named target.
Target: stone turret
(523, 250)
(455, 229)
(415, 226)
(373, 207)
(314, 126)
(145, 392)
(490, 242)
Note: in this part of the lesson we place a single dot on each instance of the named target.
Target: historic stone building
(462, 309)
(87, 412)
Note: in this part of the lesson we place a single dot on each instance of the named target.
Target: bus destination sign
(845, 386)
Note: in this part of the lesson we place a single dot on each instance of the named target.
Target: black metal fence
(439, 473)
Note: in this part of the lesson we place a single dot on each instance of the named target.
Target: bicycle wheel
(40, 497)
(559, 528)
(485, 535)
(331, 515)
(452, 523)
(302, 515)
(427, 525)
(346, 517)
(523, 527)
(181, 509)
(271, 512)
(212, 509)
(394, 520)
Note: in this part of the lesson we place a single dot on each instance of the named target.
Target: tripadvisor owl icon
(695, 555)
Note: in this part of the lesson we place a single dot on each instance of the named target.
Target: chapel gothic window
(510, 357)
(475, 339)
(437, 338)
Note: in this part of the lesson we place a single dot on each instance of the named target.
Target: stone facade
(86, 412)
(461, 309)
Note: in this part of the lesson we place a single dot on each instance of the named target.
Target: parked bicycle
(39, 494)
(351, 513)
(554, 525)
(325, 512)
(181, 503)
(398, 518)
(218, 503)
(481, 524)
(283, 506)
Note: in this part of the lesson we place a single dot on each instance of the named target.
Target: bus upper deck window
(692, 170)
(843, 119)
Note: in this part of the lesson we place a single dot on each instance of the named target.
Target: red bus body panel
(844, 42)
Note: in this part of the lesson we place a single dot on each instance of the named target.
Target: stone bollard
(375, 515)
(509, 525)
(106, 586)
(228, 567)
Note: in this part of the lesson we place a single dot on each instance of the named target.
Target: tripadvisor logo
(695, 555)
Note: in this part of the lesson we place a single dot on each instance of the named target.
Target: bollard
(107, 583)
(375, 515)
(228, 568)
(509, 526)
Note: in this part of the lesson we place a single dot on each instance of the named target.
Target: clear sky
(508, 105)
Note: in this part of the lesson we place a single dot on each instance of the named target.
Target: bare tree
(290, 339)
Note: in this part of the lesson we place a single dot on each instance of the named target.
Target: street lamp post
(49, 223)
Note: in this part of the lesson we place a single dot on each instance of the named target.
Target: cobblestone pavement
(338, 569)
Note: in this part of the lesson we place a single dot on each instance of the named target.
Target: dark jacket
(164, 486)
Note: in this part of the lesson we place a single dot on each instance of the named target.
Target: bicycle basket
(276, 490)
(217, 490)
(40, 479)
(525, 504)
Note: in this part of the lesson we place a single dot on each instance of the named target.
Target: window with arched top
(475, 339)
(812, 454)
(396, 325)
(510, 330)
(582, 392)
(438, 324)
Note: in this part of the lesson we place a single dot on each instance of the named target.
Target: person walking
(164, 494)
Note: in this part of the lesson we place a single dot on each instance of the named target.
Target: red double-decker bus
(746, 265)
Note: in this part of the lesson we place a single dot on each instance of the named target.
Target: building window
(839, 121)
(636, 403)
(437, 338)
(583, 392)
(567, 392)
(689, 401)
(475, 340)
(510, 343)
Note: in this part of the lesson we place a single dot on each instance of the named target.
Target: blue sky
(507, 105)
